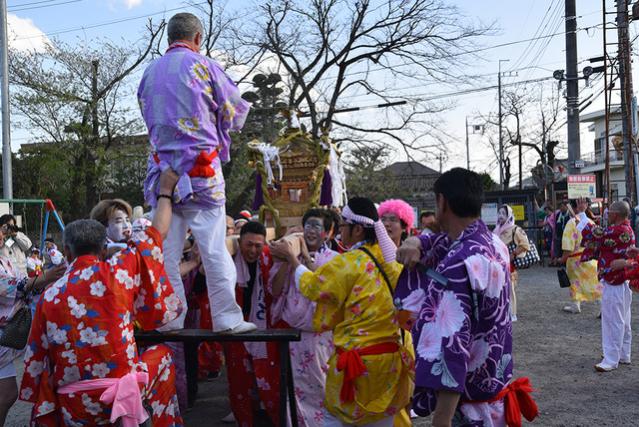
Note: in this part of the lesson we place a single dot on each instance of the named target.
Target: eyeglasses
(390, 218)
(313, 226)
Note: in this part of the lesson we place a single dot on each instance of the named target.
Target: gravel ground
(556, 350)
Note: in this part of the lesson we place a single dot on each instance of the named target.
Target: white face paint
(119, 228)
(502, 216)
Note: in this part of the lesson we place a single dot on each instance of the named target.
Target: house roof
(410, 169)
(599, 114)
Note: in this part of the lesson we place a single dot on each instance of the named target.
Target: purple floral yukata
(189, 105)
(462, 338)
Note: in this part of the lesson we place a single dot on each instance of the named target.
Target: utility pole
(441, 159)
(521, 172)
(572, 86)
(501, 139)
(7, 181)
(467, 147)
(625, 78)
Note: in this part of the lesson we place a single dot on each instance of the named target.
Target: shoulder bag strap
(379, 267)
(386, 279)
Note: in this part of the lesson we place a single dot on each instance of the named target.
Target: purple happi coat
(189, 105)
(462, 338)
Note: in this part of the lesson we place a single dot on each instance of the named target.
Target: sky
(31, 22)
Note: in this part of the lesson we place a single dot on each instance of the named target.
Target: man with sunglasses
(309, 357)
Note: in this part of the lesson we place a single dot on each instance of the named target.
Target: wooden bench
(193, 337)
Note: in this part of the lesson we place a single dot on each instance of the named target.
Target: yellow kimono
(354, 302)
(584, 283)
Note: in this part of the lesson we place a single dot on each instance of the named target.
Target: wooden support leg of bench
(287, 386)
(191, 365)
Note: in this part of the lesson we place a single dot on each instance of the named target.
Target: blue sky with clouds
(518, 20)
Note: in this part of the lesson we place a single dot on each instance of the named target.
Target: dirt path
(556, 350)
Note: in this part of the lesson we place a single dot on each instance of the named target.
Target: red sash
(202, 167)
(350, 361)
(517, 401)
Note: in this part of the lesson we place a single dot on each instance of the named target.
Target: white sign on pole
(582, 186)
(489, 213)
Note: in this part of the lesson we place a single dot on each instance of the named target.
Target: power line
(462, 53)
(21, 8)
(32, 2)
(463, 92)
(539, 50)
(104, 24)
(452, 55)
(537, 32)
(421, 85)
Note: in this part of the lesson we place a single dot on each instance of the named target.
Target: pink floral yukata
(309, 357)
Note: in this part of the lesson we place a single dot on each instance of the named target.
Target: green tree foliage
(366, 175)
(487, 182)
(73, 98)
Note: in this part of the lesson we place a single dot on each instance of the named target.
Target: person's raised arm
(24, 243)
(164, 208)
(279, 279)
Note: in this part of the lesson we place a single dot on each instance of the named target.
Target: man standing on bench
(189, 105)
(82, 363)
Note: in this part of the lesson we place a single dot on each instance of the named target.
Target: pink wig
(401, 209)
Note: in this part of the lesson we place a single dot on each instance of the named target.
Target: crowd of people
(395, 322)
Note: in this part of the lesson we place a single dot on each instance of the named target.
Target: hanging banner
(489, 213)
(582, 186)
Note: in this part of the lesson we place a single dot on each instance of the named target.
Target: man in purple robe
(190, 105)
(459, 314)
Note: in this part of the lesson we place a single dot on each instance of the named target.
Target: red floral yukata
(83, 330)
(606, 245)
(254, 367)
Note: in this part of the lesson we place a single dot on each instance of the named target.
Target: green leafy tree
(487, 182)
(72, 97)
(366, 175)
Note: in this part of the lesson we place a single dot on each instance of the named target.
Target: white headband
(349, 215)
(389, 250)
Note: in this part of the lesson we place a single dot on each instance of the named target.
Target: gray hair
(184, 26)
(84, 237)
(622, 208)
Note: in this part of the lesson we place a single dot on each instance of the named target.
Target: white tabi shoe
(242, 328)
(229, 419)
(602, 367)
(572, 308)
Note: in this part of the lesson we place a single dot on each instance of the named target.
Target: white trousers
(209, 229)
(616, 333)
(331, 421)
